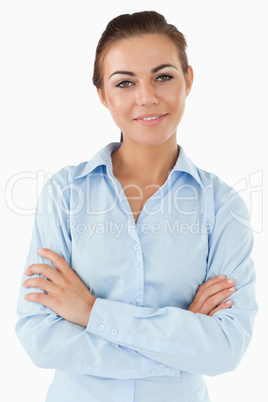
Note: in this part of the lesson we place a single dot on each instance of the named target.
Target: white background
(51, 117)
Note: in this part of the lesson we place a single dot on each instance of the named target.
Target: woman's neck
(150, 163)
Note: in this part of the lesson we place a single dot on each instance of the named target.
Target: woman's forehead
(140, 51)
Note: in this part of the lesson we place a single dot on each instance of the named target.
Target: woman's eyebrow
(154, 70)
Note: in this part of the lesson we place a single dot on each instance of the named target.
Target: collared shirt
(141, 343)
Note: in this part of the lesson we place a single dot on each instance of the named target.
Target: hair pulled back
(137, 24)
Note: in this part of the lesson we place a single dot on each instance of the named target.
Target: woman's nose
(146, 95)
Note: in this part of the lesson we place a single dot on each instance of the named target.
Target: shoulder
(214, 189)
(219, 188)
(67, 174)
(226, 199)
(77, 174)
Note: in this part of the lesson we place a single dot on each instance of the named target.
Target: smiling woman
(139, 278)
(148, 88)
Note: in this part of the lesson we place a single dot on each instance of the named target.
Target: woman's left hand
(67, 295)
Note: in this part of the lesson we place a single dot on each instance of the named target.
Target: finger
(58, 261)
(227, 304)
(215, 300)
(213, 281)
(41, 298)
(208, 292)
(40, 283)
(43, 269)
(210, 283)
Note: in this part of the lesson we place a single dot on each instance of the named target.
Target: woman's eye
(124, 84)
(164, 77)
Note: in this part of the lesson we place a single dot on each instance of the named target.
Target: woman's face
(144, 88)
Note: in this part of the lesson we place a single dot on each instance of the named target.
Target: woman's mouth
(150, 119)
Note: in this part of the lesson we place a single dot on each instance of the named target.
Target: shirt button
(153, 372)
(114, 331)
(136, 263)
(136, 247)
(101, 327)
(166, 370)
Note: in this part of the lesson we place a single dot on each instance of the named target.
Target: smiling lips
(150, 119)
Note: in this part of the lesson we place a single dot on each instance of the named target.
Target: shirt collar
(184, 164)
(103, 157)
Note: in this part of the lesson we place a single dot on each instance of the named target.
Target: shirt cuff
(111, 320)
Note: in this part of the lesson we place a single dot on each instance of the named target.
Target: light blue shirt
(141, 343)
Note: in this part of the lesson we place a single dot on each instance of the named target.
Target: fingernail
(40, 250)
(232, 290)
(228, 302)
(230, 281)
(222, 276)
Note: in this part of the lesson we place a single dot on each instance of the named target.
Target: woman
(132, 289)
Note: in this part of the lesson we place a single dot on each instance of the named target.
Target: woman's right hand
(211, 294)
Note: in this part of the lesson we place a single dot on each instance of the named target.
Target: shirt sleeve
(179, 338)
(51, 341)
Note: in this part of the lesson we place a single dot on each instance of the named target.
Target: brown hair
(137, 24)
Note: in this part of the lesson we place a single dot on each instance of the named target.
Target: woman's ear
(102, 97)
(189, 80)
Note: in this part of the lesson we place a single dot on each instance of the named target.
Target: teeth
(151, 118)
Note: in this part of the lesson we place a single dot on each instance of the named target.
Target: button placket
(136, 265)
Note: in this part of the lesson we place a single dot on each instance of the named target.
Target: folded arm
(142, 340)
(50, 340)
(181, 339)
